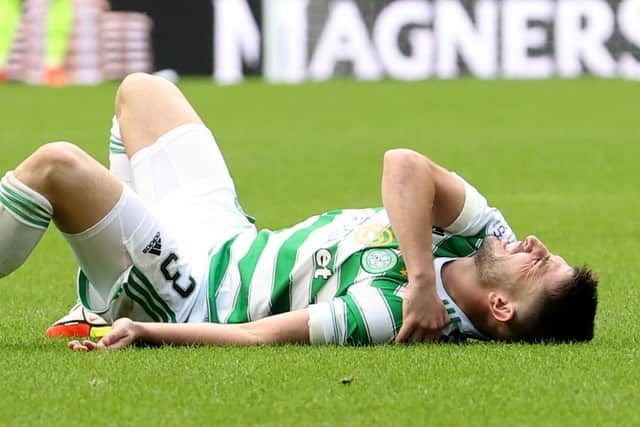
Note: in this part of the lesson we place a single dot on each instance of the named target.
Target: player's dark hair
(568, 312)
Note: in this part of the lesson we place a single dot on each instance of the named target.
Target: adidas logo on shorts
(155, 246)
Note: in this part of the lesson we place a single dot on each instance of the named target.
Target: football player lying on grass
(161, 239)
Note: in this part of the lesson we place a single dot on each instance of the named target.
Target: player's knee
(128, 87)
(53, 161)
(404, 158)
(134, 91)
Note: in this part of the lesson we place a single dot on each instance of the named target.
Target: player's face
(525, 266)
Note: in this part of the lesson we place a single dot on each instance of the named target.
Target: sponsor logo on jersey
(155, 246)
(374, 235)
(376, 261)
(498, 229)
(322, 259)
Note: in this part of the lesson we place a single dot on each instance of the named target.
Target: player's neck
(460, 279)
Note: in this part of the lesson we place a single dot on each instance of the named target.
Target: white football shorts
(148, 259)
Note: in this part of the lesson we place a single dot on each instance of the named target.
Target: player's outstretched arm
(283, 328)
(418, 194)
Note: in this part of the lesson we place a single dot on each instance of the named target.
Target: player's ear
(501, 308)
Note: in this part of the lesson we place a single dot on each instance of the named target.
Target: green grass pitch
(560, 158)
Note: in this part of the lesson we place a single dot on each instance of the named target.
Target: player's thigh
(166, 283)
(185, 179)
(133, 265)
(147, 107)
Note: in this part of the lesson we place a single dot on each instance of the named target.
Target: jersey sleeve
(371, 313)
(477, 216)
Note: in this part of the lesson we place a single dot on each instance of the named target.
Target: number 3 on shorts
(173, 278)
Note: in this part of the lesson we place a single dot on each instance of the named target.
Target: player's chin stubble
(487, 262)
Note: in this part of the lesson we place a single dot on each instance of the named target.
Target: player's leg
(179, 172)
(119, 163)
(177, 166)
(58, 181)
(78, 321)
(132, 263)
(60, 177)
(148, 107)
(79, 188)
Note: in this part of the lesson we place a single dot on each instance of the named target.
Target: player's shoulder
(479, 217)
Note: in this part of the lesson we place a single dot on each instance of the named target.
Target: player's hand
(122, 334)
(423, 313)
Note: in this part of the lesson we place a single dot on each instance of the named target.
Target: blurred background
(57, 42)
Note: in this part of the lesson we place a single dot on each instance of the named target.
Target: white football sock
(119, 164)
(25, 215)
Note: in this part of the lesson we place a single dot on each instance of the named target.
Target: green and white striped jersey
(345, 265)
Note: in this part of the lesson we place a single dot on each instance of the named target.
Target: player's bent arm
(434, 184)
(283, 328)
(417, 195)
